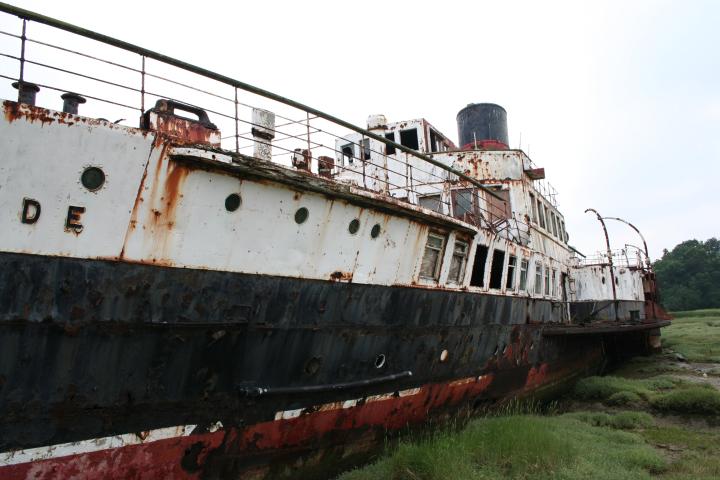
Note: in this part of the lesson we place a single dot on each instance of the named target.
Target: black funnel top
(482, 123)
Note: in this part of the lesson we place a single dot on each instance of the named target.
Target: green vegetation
(659, 433)
(701, 399)
(526, 447)
(689, 275)
(695, 336)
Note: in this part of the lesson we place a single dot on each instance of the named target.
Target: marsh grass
(526, 447)
(697, 399)
(696, 335)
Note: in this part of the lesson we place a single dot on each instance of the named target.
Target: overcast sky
(619, 101)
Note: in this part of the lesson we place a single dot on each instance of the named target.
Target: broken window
(547, 280)
(436, 142)
(538, 278)
(533, 209)
(348, 152)
(366, 148)
(496, 269)
(510, 282)
(430, 267)
(431, 202)
(478, 272)
(499, 205)
(409, 138)
(457, 264)
(523, 274)
(466, 205)
(390, 149)
(541, 216)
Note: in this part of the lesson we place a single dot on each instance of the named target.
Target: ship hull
(184, 373)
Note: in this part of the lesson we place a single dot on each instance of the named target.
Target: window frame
(440, 252)
(459, 280)
(511, 271)
(537, 287)
(522, 283)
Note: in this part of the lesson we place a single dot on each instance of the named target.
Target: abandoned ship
(234, 285)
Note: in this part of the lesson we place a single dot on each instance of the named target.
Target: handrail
(84, 32)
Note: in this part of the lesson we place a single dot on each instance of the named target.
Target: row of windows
(546, 218)
(408, 138)
(546, 278)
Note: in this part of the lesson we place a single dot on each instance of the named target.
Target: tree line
(689, 275)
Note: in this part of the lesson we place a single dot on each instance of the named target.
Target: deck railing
(121, 81)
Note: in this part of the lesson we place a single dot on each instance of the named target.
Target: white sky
(618, 100)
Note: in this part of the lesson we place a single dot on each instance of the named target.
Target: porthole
(375, 231)
(92, 178)
(380, 361)
(443, 355)
(603, 280)
(354, 226)
(301, 215)
(313, 365)
(232, 202)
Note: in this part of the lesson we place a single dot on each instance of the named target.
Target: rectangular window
(523, 274)
(510, 281)
(430, 267)
(565, 235)
(496, 269)
(409, 138)
(554, 283)
(478, 271)
(435, 141)
(554, 224)
(533, 209)
(541, 216)
(547, 219)
(390, 149)
(465, 204)
(366, 148)
(538, 278)
(547, 280)
(431, 202)
(457, 264)
(348, 152)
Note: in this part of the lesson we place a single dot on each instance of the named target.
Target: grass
(526, 447)
(695, 335)
(697, 399)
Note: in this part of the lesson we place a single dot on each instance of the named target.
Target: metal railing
(123, 80)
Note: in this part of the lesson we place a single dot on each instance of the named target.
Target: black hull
(92, 348)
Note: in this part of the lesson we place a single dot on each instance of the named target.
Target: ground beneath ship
(656, 417)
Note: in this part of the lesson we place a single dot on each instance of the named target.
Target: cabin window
(554, 283)
(547, 280)
(538, 278)
(465, 204)
(409, 138)
(541, 216)
(533, 209)
(436, 142)
(431, 202)
(554, 225)
(390, 149)
(499, 204)
(478, 272)
(458, 262)
(523, 274)
(510, 281)
(496, 269)
(348, 152)
(547, 219)
(366, 148)
(430, 267)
